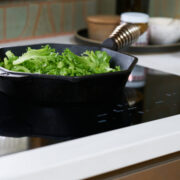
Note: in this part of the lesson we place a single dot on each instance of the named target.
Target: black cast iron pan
(51, 89)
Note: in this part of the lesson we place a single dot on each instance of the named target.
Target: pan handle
(5, 73)
(124, 35)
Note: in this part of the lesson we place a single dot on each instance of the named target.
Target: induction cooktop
(149, 95)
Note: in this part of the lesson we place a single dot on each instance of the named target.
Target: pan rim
(8, 73)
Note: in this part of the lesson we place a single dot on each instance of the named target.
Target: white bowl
(164, 30)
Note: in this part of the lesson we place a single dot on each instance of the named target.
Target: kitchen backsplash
(20, 19)
(26, 19)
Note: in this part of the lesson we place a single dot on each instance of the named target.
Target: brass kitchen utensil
(123, 35)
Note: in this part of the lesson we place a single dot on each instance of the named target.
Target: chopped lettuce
(47, 61)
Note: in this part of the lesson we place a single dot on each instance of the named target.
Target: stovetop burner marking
(102, 121)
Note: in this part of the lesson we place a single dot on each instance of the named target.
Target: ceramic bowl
(164, 30)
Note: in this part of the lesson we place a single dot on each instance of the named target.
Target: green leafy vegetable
(47, 61)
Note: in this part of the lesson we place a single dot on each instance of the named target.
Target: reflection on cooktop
(149, 95)
(62, 121)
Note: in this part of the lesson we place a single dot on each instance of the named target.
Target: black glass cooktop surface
(149, 95)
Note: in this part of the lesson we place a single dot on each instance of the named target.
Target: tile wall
(20, 19)
(28, 19)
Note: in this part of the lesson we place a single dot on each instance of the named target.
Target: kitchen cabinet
(163, 168)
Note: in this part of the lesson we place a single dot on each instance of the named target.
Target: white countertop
(97, 154)
(167, 62)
